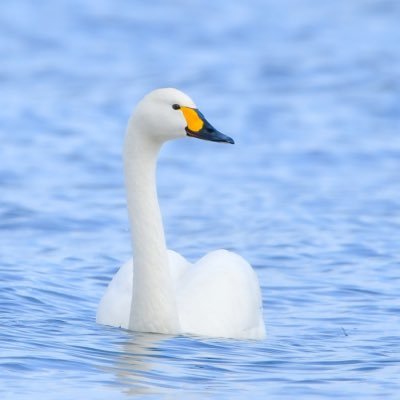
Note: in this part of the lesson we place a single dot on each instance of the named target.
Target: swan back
(220, 296)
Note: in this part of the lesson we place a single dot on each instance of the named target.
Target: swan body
(159, 290)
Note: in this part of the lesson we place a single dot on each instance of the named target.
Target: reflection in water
(136, 364)
(155, 364)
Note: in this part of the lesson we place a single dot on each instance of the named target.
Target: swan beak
(200, 128)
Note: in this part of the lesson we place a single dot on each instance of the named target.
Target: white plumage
(218, 296)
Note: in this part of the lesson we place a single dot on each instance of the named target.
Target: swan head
(166, 114)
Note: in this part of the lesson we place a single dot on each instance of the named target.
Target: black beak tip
(220, 137)
(223, 138)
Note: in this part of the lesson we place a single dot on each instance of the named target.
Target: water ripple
(310, 194)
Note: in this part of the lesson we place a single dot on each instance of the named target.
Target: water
(310, 194)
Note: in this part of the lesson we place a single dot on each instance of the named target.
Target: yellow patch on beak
(194, 122)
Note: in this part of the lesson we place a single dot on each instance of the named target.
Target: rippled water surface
(310, 193)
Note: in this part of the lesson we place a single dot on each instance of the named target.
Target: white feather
(219, 296)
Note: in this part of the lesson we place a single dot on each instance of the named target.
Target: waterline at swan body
(159, 291)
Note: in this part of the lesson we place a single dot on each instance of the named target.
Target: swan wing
(178, 265)
(219, 296)
(115, 305)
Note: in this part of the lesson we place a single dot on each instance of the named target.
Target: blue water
(310, 193)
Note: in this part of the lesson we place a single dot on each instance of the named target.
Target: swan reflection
(141, 365)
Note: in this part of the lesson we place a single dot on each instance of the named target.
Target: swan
(159, 291)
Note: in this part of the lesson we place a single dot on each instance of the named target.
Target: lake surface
(309, 194)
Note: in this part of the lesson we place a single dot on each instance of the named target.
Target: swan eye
(176, 106)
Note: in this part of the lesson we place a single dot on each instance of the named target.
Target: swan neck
(153, 307)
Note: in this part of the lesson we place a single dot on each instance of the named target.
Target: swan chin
(160, 291)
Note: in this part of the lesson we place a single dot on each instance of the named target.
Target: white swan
(219, 296)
